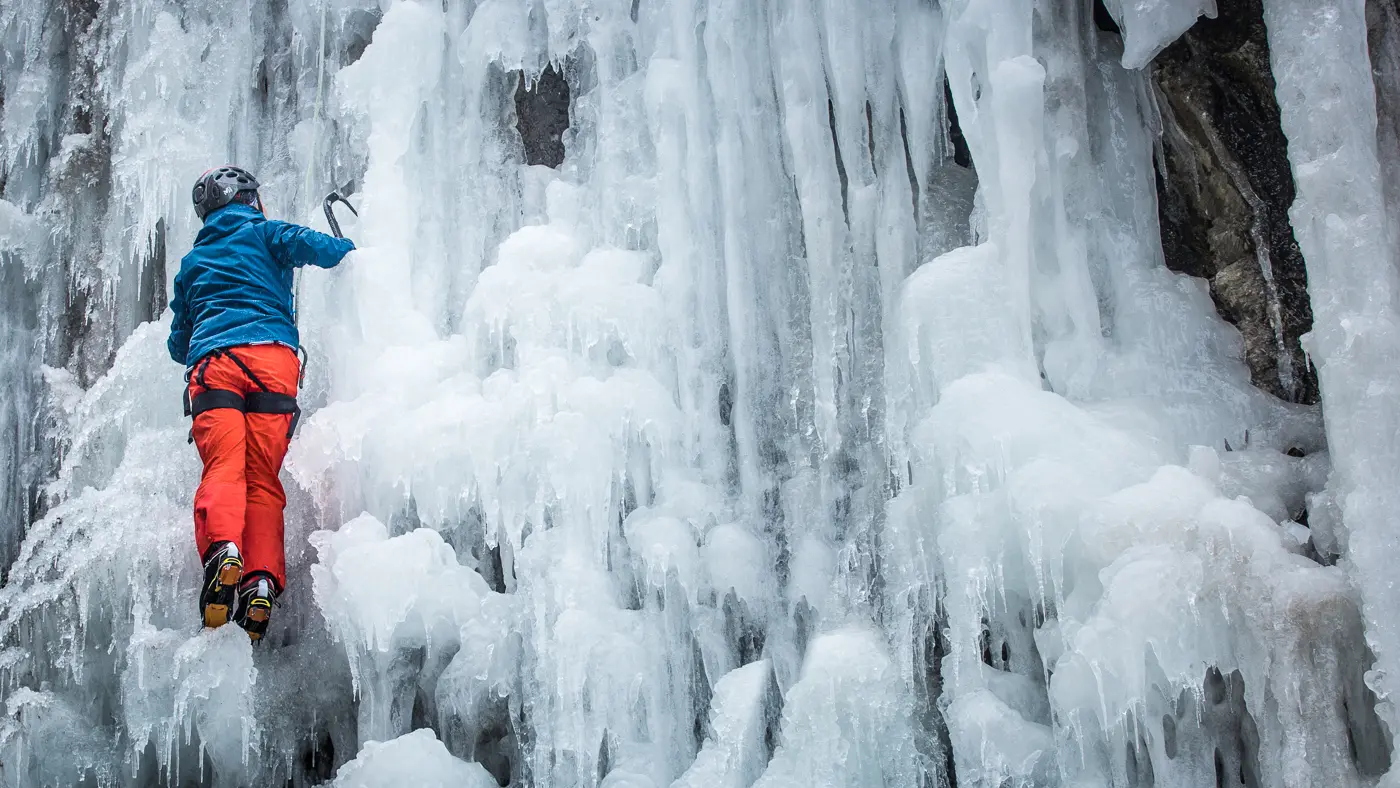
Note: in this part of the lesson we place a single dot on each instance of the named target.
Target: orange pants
(240, 498)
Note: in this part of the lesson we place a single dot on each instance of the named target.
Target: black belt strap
(212, 399)
(270, 402)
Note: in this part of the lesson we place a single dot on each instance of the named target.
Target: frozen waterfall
(724, 394)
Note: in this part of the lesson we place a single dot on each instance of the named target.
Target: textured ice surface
(416, 759)
(845, 722)
(1328, 104)
(761, 443)
(384, 599)
(1150, 25)
(736, 746)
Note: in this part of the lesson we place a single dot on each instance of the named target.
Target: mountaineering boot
(223, 568)
(255, 601)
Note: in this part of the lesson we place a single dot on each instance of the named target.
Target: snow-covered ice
(416, 759)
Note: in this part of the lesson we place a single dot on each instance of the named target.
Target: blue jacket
(235, 285)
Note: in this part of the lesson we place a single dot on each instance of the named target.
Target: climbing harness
(264, 401)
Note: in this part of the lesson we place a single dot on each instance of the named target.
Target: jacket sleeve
(180, 328)
(294, 246)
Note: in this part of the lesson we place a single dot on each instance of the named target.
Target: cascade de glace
(723, 393)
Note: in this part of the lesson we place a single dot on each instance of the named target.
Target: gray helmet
(218, 187)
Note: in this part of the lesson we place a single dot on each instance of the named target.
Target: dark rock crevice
(1224, 190)
(542, 116)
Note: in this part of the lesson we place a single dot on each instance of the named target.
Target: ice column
(1328, 105)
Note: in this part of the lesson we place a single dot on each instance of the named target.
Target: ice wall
(760, 443)
(1323, 69)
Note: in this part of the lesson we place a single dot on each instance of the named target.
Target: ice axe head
(333, 198)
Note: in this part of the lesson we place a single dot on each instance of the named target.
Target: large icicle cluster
(773, 439)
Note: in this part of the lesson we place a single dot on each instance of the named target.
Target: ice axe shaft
(331, 200)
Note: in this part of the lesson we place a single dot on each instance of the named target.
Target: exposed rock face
(542, 116)
(1225, 187)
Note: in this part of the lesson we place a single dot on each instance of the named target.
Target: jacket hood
(224, 221)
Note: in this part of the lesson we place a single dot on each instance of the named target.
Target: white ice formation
(759, 444)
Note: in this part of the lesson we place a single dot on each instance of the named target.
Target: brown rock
(1224, 189)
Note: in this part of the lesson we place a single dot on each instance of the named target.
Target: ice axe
(331, 199)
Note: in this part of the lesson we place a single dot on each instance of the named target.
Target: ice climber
(235, 334)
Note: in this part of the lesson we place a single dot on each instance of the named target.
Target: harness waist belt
(255, 402)
(270, 402)
(213, 399)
